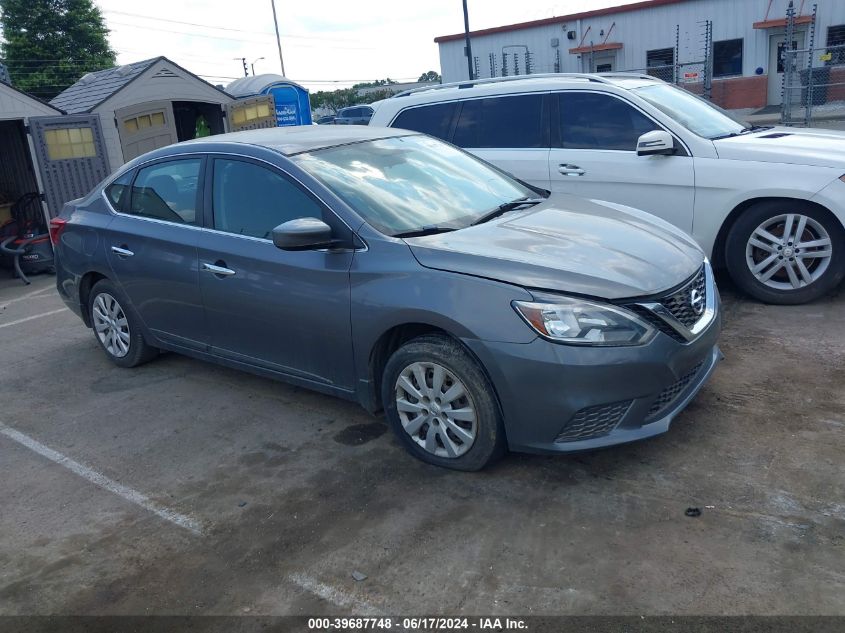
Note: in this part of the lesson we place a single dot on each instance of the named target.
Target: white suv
(767, 203)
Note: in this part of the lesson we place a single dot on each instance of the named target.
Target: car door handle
(570, 170)
(122, 252)
(218, 270)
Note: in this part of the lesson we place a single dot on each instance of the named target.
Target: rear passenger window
(599, 121)
(252, 200)
(501, 122)
(115, 191)
(432, 119)
(167, 191)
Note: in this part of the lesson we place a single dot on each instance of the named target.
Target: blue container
(292, 104)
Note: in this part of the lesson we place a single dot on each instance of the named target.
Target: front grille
(647, 315)
(593, 421)
(680, 303)
(668, 395)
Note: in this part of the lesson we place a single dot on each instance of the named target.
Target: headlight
(580, 322)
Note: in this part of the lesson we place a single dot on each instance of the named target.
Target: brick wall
(741, 92)
(837, 76)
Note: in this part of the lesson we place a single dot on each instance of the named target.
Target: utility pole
(468, 45)
(252, 65)
(278, 40)
(243, 61)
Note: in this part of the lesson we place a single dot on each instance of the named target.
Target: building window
(836, 44)
(727, 58)
(75, 142)
(244, 115)
(138, 123)
(660, 63)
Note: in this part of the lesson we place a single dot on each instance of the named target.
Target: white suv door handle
(122, 252)
(218, 270)
(570, 170)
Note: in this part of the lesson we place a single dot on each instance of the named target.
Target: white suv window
(502, 122)
(591, 120)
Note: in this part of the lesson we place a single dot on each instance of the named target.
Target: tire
(109, 309)
(468, 439)
(757, 241)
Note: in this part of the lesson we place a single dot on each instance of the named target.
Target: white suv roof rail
(622, 73)
(602, 79)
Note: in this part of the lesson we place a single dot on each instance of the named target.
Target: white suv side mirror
(655, 142)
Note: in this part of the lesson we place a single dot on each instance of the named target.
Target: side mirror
(654, 143)
(303, 234)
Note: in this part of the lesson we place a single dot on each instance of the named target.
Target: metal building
(674, 39)
(146, 105)
(45, 151)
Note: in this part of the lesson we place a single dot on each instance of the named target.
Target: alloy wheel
(111, 325)
(788, 251)
(436, 410)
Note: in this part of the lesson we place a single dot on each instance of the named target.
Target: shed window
(73, 142)
(836, 44)
(727, 58)
(143, 122)
(660, 63)
(245, 114)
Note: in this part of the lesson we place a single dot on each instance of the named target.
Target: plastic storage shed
(290, 100)
(45, 151)
(146, 105)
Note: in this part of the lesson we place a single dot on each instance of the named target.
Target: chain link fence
(813, 83)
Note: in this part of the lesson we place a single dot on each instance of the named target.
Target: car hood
(571, 245)
(819, 148)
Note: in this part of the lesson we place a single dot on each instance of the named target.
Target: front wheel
(441, 404)
(786, 251)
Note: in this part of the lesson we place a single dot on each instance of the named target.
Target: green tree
(49, 44)
(429, 76)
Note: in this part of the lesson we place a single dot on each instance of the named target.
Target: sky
(325, 44)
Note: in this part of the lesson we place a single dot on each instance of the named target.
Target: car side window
(590, 120)
(434, 120)
(507, 122)
(116, 191)
(167, 191)
(248, 199)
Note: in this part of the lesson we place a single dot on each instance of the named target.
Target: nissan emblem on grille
(696, 300)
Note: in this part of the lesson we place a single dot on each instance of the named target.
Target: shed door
(71, 156)
(252, 113)
(145, 127)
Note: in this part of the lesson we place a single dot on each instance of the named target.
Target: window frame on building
(735, 71)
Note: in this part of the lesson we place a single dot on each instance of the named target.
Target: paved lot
(217, 492)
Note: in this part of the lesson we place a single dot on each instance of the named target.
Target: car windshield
(412, 183)
(693, 113)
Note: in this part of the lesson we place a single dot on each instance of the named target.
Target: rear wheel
(786, 251)
(441, 405)
(116, 327)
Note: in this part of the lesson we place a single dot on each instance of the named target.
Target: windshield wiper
(507, 206)
(745, 130)
(425, 230)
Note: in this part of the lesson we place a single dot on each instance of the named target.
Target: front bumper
(557, 398)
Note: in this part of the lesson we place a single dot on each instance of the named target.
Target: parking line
(336, 596)
(130, 495)
(30, 318)
(28, 295)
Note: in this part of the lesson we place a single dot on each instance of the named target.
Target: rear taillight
(57, 225)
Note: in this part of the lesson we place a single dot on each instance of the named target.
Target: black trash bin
(821, 80)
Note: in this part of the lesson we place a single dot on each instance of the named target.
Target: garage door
(145, 127)
(251, 114)
(71, 156)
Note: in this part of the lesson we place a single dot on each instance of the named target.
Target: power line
(226, 28)
(234, 39)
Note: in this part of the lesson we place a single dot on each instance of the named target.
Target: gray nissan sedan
(393, 269)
